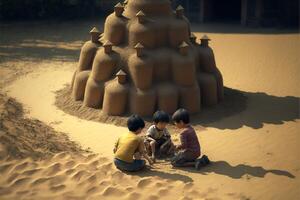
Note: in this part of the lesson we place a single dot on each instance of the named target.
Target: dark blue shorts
(136, 165)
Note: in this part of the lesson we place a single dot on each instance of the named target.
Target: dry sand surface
(252, 138)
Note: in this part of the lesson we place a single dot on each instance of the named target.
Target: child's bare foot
(153, 158)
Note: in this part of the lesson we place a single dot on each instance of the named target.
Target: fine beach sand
(252, 138)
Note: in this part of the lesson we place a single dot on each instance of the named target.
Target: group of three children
(130, 148)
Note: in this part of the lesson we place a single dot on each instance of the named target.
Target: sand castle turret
(146, 59)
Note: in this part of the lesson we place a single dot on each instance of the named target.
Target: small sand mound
(21, 137)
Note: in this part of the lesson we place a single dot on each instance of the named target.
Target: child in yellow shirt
(129, 148)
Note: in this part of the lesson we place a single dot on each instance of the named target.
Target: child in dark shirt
(189, 148)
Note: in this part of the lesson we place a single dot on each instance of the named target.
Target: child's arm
(167, 133)
(183, 142)
(151, 133)
(144, 153)
(116, 146)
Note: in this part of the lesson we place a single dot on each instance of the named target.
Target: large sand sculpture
(146, 59)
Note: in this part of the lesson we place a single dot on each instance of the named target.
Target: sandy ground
(253, 144)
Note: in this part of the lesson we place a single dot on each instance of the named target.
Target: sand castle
(146, 59)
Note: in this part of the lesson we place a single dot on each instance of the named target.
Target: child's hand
(151, 162)
(177, 147)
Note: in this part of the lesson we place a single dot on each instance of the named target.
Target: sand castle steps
(146, 59)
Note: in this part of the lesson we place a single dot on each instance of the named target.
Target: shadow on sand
(238, 171)
(248, 109)
(149, 172)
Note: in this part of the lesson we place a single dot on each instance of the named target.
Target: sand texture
(252, 137)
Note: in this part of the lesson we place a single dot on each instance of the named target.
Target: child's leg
(168, 148)
(136, 165)
(183, 159)
(137, 156)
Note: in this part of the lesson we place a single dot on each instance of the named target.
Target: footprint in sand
(12, 177)
(39, 181)
(106, 167)
(61, 155)
(57, 188)
(163, 191)
(144, 182)
(158, 184)
(5, 168)
(186, 198)
(23, 192)
(133, 196)
(188, 186)
(117, 175)
(92, 179)
(5, 191)
(53, 169)
(20, 182)
(104, 183)
(112, 191)
(129, 189)
(92, 190)
(57, 179)
(153, 197)
(69, 171)
(80, 174)
(94, 163)
(31, 172)
(21, 166)
(69, 164)
(90, 157)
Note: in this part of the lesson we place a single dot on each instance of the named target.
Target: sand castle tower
(146, 59)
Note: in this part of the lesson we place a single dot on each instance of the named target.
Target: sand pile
(21, 137)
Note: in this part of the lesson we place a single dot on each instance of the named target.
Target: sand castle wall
(115, 98)
(147, 59)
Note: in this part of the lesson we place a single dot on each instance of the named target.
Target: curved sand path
(36, 92)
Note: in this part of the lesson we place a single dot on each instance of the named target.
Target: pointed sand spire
(179, 11)
(141, 16)
(183, 48)
(139, 49)
(204, 40)
(94, 34)
(193, 38)
(94, 30)
(205, 37)
(121, 75)
(107, 46)
(119, 8)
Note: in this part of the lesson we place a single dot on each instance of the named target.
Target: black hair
(135, 122)
(161, 116)
(181, 115)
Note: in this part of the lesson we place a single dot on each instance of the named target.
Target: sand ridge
(83, 176)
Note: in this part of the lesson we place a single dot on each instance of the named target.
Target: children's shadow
(238, 171)
(150, 172)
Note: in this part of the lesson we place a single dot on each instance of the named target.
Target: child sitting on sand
(129, 148)
(189, 147)
(158, 137)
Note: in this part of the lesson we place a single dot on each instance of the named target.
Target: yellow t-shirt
(126, 146)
